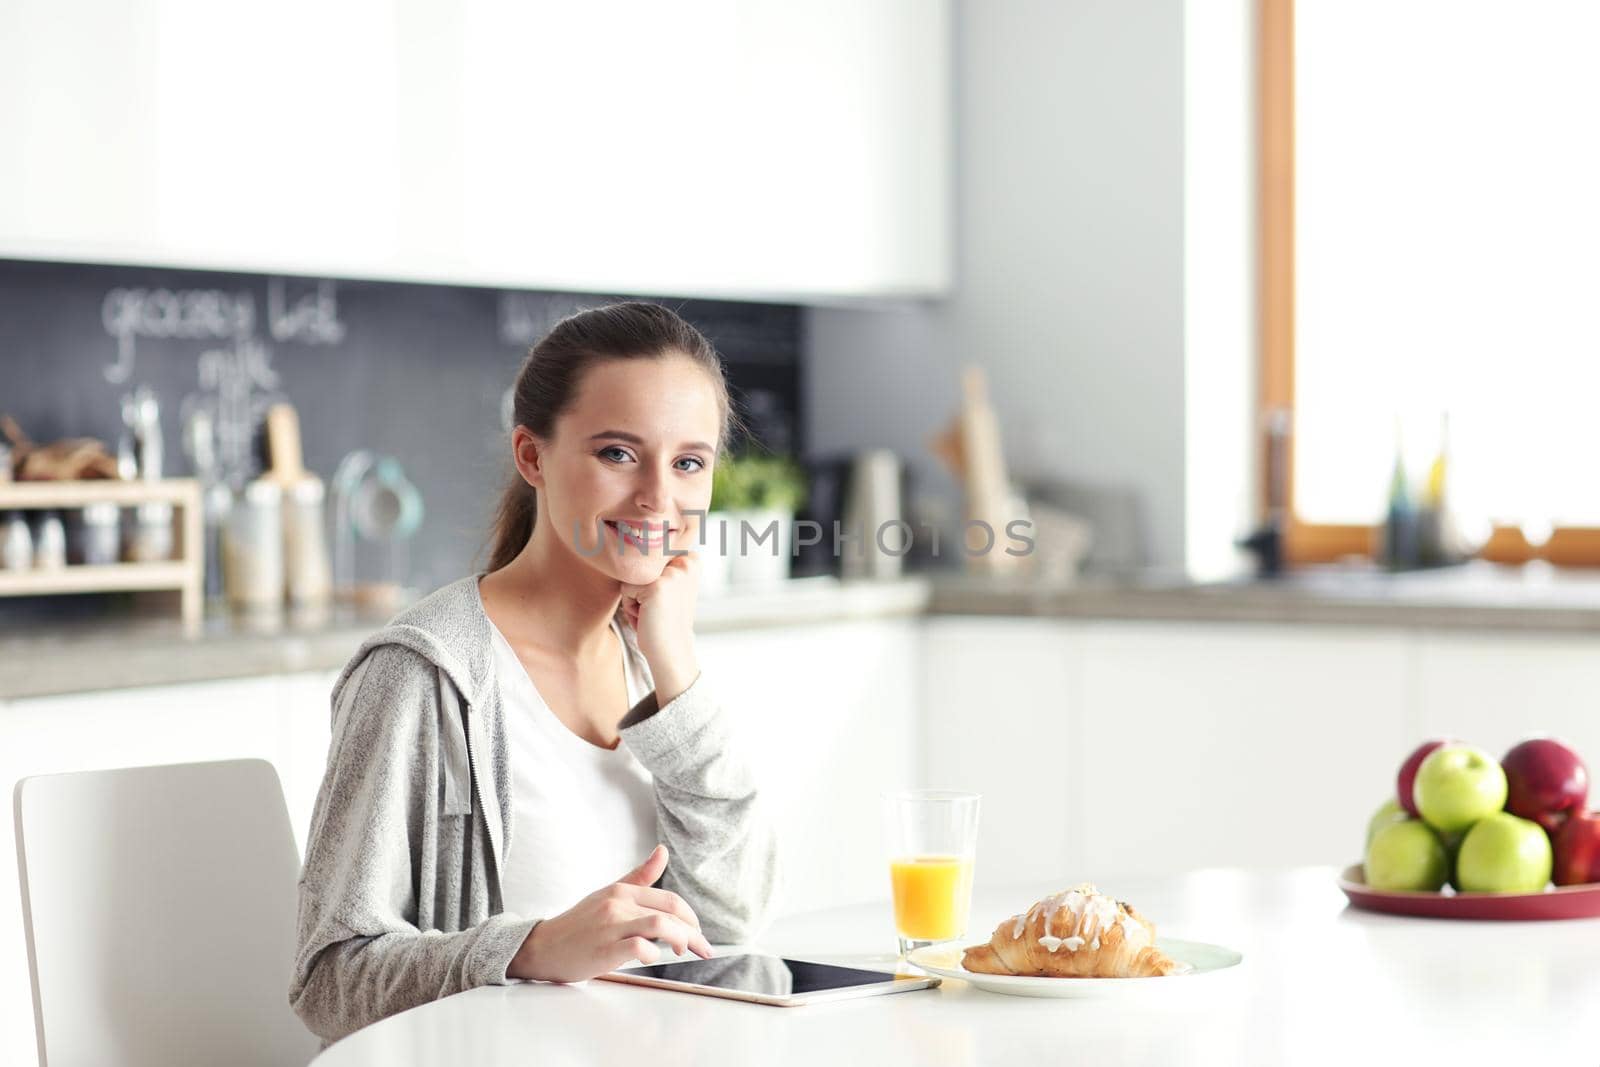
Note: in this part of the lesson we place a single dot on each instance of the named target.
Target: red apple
(1545, 781)
(1408, 775)
(1577, 846)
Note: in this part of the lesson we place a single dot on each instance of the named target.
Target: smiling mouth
(648, 534)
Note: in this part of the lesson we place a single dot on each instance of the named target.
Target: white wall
(1069, 282)
(1219, 220)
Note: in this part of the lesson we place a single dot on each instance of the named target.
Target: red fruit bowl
(1562, 902)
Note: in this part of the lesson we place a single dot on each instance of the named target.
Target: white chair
(159, 904)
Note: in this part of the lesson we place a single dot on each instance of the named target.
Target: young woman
(528, 777)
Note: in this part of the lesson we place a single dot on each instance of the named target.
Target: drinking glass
(932, 840)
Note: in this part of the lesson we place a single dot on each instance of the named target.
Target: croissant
(1077, 933)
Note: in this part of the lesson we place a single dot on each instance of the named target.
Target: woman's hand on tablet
(662, 614)
(610, 927)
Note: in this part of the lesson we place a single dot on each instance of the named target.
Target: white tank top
(582, 816)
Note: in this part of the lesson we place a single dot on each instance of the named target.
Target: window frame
(1306, 542)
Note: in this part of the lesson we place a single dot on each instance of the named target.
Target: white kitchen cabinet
(742, 148)
(1209, 745)
(1495, 689)
(828, 715)
(1002, 718)
(1110, 749)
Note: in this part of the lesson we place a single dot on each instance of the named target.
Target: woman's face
(629, 458)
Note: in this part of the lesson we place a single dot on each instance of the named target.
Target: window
(1431, 246)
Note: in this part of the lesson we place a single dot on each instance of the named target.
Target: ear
(527, 452)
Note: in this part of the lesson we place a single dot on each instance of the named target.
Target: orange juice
(932, 895)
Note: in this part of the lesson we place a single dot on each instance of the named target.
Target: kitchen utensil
(200, 443)
(872, 510)
(141, 415)
(945, 961)
(305, 547)
(970, 447)
(374, 501)
(1562, 902)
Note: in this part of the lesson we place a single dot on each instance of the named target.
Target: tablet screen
(769, 975)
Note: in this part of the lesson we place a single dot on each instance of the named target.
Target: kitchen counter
(1478, 596)
(85, 657)
(1474, 596)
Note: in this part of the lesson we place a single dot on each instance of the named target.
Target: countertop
(81, 657)
(1475, 596)
(45, 660)
(1319, 983)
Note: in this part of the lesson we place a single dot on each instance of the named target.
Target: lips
(646, 533)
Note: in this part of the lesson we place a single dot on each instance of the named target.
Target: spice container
(252, 548)
(16, 543)
(150, 535)
(96, 531)
(49, 542)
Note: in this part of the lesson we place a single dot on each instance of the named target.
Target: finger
(665, 900)
(659, 926)
(634, 948)
(647, 872)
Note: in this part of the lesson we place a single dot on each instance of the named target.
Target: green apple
(1407, 855)
(1390, 812)
(1456, 786)
(1504, 854)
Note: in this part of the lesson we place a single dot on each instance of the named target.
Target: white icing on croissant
(1091, 914)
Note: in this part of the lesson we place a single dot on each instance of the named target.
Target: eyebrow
(635, 439)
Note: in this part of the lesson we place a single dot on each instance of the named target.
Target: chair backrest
(160, 911)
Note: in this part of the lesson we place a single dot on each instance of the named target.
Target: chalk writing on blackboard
(313, 318)
(208, 314)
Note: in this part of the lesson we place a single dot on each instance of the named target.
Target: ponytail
(513, 522)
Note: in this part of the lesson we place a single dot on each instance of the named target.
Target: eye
(699, 464)
(614, 453)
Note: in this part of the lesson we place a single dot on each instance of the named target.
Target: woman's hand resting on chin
(662, 615)
(610, 927)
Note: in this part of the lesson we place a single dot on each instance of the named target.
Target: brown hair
(554, 369)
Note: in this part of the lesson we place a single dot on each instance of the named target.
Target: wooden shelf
(19, 495)
(185, 573)
(111, 577)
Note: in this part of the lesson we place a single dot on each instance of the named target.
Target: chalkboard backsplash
(419, 372)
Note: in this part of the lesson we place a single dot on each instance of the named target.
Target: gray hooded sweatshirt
(400, 898)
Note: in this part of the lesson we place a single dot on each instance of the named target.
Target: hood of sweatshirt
(450, 628)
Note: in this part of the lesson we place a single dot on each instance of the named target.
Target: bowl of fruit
(1467, 836)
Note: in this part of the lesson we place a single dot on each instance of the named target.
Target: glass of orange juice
(932, 836)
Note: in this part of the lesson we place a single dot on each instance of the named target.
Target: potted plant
(749, 539)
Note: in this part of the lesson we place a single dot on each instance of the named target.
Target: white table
(1320, 983)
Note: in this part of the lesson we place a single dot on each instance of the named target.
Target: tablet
(772, 980)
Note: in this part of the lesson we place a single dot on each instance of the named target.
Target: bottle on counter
(1400, 520)
(1432, 544)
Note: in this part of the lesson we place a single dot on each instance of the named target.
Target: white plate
(945, 961)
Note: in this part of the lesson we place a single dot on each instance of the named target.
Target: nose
(653, 495)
